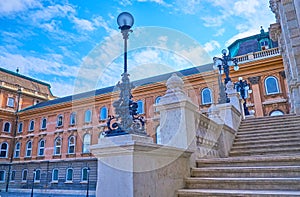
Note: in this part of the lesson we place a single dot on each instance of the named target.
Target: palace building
(45, 140)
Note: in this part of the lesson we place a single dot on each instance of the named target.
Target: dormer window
(264, 45)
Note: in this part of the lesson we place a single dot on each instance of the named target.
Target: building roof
(33, 85)
(142, 82)
(250, 44)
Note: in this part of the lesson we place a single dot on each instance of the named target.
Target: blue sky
(75, 45)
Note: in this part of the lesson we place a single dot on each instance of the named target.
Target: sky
(76, 46)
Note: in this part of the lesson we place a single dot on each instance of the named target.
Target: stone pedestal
(133, 166)
(230, 115)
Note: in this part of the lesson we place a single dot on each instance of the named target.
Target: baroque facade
(45, 140)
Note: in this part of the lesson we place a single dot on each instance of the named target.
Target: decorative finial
(17, 70)
(262, 31)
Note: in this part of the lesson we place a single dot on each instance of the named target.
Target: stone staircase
(264, 161)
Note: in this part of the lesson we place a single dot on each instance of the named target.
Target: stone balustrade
(258, 55)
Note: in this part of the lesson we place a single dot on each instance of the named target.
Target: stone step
(265, 160)
(244, 183)
(269, 127)
(258, 145)
(246, 141)
(268, 135)
(269, 131)
(236, 193)
(267, 124)
(246, 171)
(272, 118)
(265, 151)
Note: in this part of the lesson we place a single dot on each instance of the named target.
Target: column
(256, 96)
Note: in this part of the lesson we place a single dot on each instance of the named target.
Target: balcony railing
(258, 55)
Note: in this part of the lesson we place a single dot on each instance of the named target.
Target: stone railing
(258, 55)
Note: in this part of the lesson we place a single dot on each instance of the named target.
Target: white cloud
(83, 24)
(220, 32)
(160, 2)
(211, 46)
(213, 21)
(188, 7)
(246, 7)
(8, 7)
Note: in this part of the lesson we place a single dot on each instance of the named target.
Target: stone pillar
(233, 95)
(256, 96)
(287, 13)
(133, 166)
(177, 116)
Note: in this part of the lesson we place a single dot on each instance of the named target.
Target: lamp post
(34, 171)
(88, 181)
(223, 66)
(244, 89)
(125, 107)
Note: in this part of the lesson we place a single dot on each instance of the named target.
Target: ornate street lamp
(244, 89)
(34, 172)
(125, 107)
(88, 181)
(223, 65)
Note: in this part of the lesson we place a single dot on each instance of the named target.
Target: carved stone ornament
(254, 80)
(275, 9)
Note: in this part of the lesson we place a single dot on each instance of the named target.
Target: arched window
(55, 175)
(57, 146)
(31, 125)
(59, 121)
(206, 96)
(103, 113)
(2, 175)
(37, 176)
(41, 147)
(71, 145)
(69, 175)
(140, 109)
(20, 127)
(271, 85)
(6, 127)
(3, 150)
(17, 150)
(158, 135)
(86, 143)
(73, 118)
(13, 176)
(276, 113)
(157, 101)
(28, 149)
(44, 123)
(84, 174)
(88, 116)
(24, 175)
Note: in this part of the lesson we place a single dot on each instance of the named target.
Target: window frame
(60, 120)
(101, 116)
(67, 173)
(86, 146)
(73, 117)
(141, 107)
(82, 174)
(57, 146)
(37, 174)
(203, 96)
(277, 85)
(44, 120)
(20, 123)
(41, 148)
(9, 100)
(4, 175)
(24, 175)
(12, 177)
(4, 150)
(9, 127)
(71, 145)
(28, 149)
(17, 150)
(86, 113)
(31, 125)
(52, 179)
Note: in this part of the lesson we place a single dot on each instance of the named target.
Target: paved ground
(15, 194)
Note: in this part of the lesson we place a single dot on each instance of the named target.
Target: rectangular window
(10, 102)
(2, 175)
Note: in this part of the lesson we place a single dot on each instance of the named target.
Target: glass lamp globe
(125, 20)
(230, 63)
(236, 68)
(224, 52)
(217, 63)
